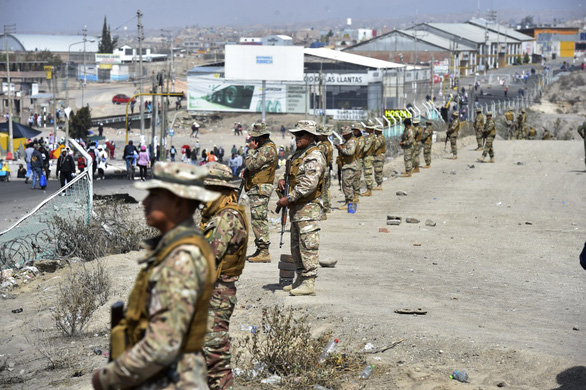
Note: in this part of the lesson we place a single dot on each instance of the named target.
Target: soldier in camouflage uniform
(158, 344)
(488, 133)
(521, 130)
(510, 121)
(369, 140)
(452, 134)
(582, 132)
(261, 165)
(327, 149)
(380, 150)
(347, 154)
(427, 139)
(418, 145)
(546, 135)
(359, 156)
(479, 127)
(306, 182)
(407, 143)
(225, 227)
(531, 134)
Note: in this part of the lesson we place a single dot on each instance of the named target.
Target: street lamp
(67, 84)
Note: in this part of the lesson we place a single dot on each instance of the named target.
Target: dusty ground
(498, 275)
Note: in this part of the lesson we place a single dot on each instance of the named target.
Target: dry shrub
(83, 291)
(283, 346)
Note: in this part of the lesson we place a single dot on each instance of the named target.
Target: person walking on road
(479, 127)
(65, 167)
(380, 150)
(327, 149)
(368, 159)
(418, 145)
(143, 162)
(427, 139)
(306, 182)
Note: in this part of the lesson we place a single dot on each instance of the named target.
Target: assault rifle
(116, 315)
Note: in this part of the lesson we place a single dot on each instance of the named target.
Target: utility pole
(11, 28)
(84, 77)
(154, 115)
(140, 39)
(163, 116)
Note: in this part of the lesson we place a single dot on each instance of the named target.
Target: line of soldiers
(415, 138)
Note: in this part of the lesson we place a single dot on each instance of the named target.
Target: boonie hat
(489, 113)
(416, 121)
(369, 125)
(479, 109)
(305, 125)
(454, 113)
(259, 129)
(356, 126)
(378, 128)
(220, 175)
(182, 179)
(346, 130)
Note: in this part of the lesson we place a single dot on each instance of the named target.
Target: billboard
(266, 63)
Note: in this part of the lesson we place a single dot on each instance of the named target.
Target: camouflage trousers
(348, 184)
(358, 176)
(217, 342)
(427, 153)
(259, 207)
(454, 144)
(325, 197)
(378, 165)
(520, 132)
(416, 154)
(510, 131)
(488, 147)
(305, 246)
(479, 138)
(367, 168)
(408, 158)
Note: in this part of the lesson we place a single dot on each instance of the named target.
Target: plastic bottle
(248, 328)
(367, 372)
(459, 375)
(329, 349)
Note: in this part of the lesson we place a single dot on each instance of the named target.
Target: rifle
(447, 138)
(242, 181)
(283, 210)
(116, 315)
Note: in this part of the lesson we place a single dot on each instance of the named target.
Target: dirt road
(498, 276)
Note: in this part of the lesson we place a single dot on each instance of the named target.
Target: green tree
(80, 122)
(107, 43)
(526, 58)
(527, 22)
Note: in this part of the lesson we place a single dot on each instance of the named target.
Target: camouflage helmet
(258, 129)
(220, 175)
(305, 125)
(369, 125)
(356, 126)
(182, 179)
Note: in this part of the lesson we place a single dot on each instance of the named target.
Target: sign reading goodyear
(397, 114)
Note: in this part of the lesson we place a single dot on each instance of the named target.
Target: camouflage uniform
(174, 287)
(225, 227)
(452, 133)
(305, 216)
(347, 152)
(427, 139)
(157, 345)
(582, 132)
(368, 159)
(417, 146)
(531, 134)
(510, 121)
(479, 128)
(259, 161)
(380, 149)
(360, 144)
(328, 151)
(408, 143)
(521, 130)
(489, 133)
(547, 135)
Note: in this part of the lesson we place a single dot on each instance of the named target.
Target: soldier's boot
(256, 252)
(415, 170)
(367, 193)
(454, 157)
(296, 283)
(379, 187)
(307, 287)
(324, 216)
(491, 160)
(356, 199)
(481, 159)
(262, 257)
(426, 166)
(406, 174)
(344, 206)
(478, 148)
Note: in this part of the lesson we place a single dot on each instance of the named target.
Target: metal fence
(36, 236)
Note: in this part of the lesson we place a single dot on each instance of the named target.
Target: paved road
(18, 199)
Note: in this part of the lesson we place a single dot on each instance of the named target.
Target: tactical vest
(509, 115)
(418, 133)
(359, 149)
(348, 159)
(294, 168)
(232, 265)
(370, 151)
(133, 326)
(327, 150)
(265, 176)
(382, 149)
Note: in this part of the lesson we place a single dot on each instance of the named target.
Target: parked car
(121, 98)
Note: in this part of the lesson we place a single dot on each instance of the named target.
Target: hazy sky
(59, 16)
